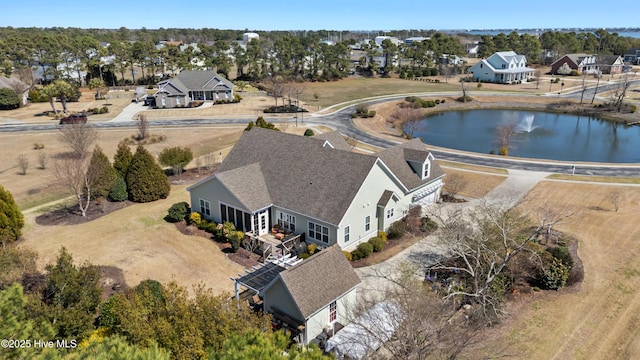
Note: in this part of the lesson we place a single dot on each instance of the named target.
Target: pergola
(258, 277)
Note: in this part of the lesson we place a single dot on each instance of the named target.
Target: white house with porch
(317, 187)
(505, 67)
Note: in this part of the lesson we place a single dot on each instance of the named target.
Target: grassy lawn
(140, 243)
(463, 166)
(598, 320)
(601, 179)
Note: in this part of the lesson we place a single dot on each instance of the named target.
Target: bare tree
(42, 159)
(615, 198)
(277, 88)
(71, 174)
(250, 243)
(25, 74)
(209, 160)
(538, 74)
(454, 184)
(408, 118)
(23, 163)
(548, 217)
(80, 137)
(198, 163)
(143, 127)
(411, 321)
(504, 136)
(621, 92)
(584, 87)
(465, 97)
(482, 242)
(595, 91)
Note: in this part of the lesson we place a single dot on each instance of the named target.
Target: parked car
(150, 101)
(74, 119)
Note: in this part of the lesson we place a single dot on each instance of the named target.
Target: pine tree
(11, 218)
(101, 173)
(146, 180)
(122, 159)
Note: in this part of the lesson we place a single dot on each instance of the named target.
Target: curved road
(340, 120)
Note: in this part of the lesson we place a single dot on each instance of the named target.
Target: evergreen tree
(118, 191)
(70, 298)
(16, 325)
(102, 174)
(146, 180)
(122, 159)
(11, 218)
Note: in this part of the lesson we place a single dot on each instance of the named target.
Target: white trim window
(333, 312)
(205, 207)
(346, 233)
(287, 221)
(389, 213)
(367, 223)
(318, 232)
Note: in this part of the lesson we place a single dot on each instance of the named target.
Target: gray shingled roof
(247, 184)
(335, 139)
(319, 280)
(299, 172)
(384, 199)
(606, 59)
(396, 159)
(194, 80)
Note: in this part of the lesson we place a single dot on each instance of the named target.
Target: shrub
(304, 255)
(633, 108)
(176, 158)
(377, 244)
(118, 191)
(177, 212)
(479, 85)
(104, 110)
(364, 250)
(396, 230)
(503, 150)
(562, 253)
(382, 235)
(37, 96)
(428, 225)
(195, 218)
(9, 99)
(38, 146)
(555, 274)
(309, 132)
(235, 239)
(311, 249)
(11, 219)
(347, 255)
(442, 101)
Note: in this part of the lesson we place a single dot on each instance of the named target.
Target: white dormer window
(426, 167)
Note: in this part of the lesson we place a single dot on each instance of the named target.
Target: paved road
(340, 120)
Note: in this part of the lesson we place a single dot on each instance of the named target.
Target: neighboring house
(16, 85)
(610, 64)
(316, 186)
(632, 56)
(504, 67)
(312, 296)
(188, 86)
(582, 63)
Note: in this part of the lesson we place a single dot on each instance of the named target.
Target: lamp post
(550, 83)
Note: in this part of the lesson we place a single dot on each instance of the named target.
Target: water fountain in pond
(527, 124)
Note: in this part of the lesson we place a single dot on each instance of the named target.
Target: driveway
(378, 278)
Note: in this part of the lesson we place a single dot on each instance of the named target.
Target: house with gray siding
(317, 186)
(190, 86)
(504, 67)
(308, 304)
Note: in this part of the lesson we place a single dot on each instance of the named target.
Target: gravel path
(378, 278)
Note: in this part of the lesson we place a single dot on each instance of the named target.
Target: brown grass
(478, 184)
(600, 319)
(138, 240)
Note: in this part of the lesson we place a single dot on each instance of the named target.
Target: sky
(378, 15)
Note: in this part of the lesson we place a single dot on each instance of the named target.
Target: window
(425, 173)
(389, 213)
(333, 312)
(367, 223)
(319, 232)
(205, 207)
(223, 212)
(287, 221)
(346, 234)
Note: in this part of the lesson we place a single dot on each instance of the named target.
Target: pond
(535, 135)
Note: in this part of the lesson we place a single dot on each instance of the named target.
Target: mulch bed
(243, 257)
